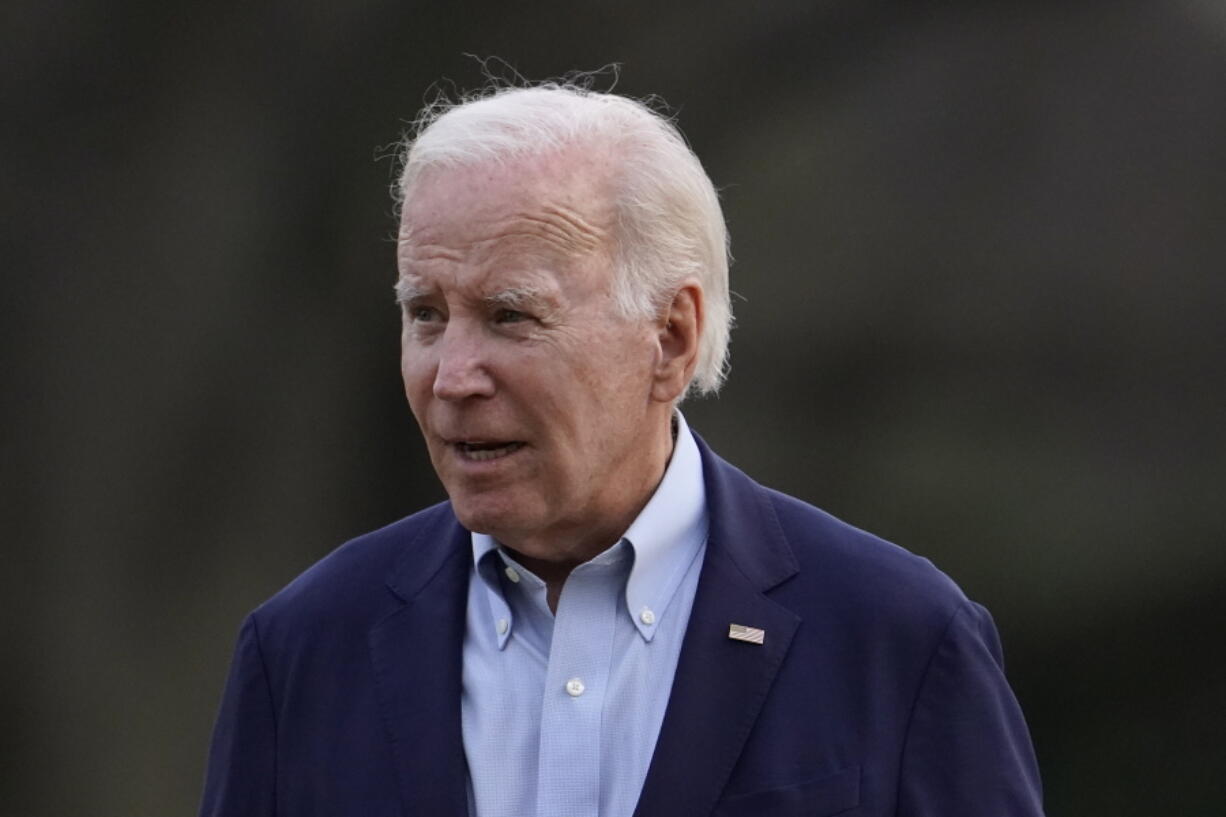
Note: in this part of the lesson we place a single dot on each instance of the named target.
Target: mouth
(475, 451)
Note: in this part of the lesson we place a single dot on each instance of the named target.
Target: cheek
(619, 371)
(418, 384)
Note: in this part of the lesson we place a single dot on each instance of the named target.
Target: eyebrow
(522, 297)
(408, 289)
(516, 298)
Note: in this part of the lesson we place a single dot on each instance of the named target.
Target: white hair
(669, 222)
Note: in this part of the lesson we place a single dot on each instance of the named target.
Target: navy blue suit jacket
(878, 689)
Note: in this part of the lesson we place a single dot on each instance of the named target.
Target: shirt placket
(576, 687)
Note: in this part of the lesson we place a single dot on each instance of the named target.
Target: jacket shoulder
(858, 573)
(352, 580)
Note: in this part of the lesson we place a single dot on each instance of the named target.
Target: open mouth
(481, 452)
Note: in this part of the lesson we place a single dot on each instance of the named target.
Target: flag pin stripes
(739, 632)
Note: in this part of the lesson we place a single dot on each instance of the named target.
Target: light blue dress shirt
(561, 713)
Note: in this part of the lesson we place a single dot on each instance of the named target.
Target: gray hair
(669, 222)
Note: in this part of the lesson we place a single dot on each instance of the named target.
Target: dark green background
(979, 258)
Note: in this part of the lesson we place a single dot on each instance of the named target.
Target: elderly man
(606, 618)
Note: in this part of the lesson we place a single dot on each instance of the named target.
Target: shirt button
(647, 617)
(574, 687)
(512, 574)
(503, 624)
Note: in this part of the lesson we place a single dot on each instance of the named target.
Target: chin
(496, 517)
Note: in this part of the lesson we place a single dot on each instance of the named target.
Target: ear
(678, 330)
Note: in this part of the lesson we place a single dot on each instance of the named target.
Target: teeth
(485, 452)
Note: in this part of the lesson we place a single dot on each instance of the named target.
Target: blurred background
(979, 259)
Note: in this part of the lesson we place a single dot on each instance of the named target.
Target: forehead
(559, 205)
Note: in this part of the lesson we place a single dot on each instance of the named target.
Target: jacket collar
(744, 524)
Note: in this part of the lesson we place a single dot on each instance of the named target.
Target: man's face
(532, 392)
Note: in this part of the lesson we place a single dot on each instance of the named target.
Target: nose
(462, 370)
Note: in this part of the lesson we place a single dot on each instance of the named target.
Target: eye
(509, 316)
(419, 313)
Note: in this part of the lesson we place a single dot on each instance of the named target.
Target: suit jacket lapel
(721, 683)
(417, 654)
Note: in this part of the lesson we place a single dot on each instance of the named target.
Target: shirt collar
(666, 537)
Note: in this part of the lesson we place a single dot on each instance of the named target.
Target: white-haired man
(605, 619)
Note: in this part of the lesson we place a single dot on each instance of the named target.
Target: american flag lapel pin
(739, 632)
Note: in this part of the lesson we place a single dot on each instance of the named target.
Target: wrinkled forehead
(566, 198)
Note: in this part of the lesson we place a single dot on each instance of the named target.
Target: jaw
(506, 513)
